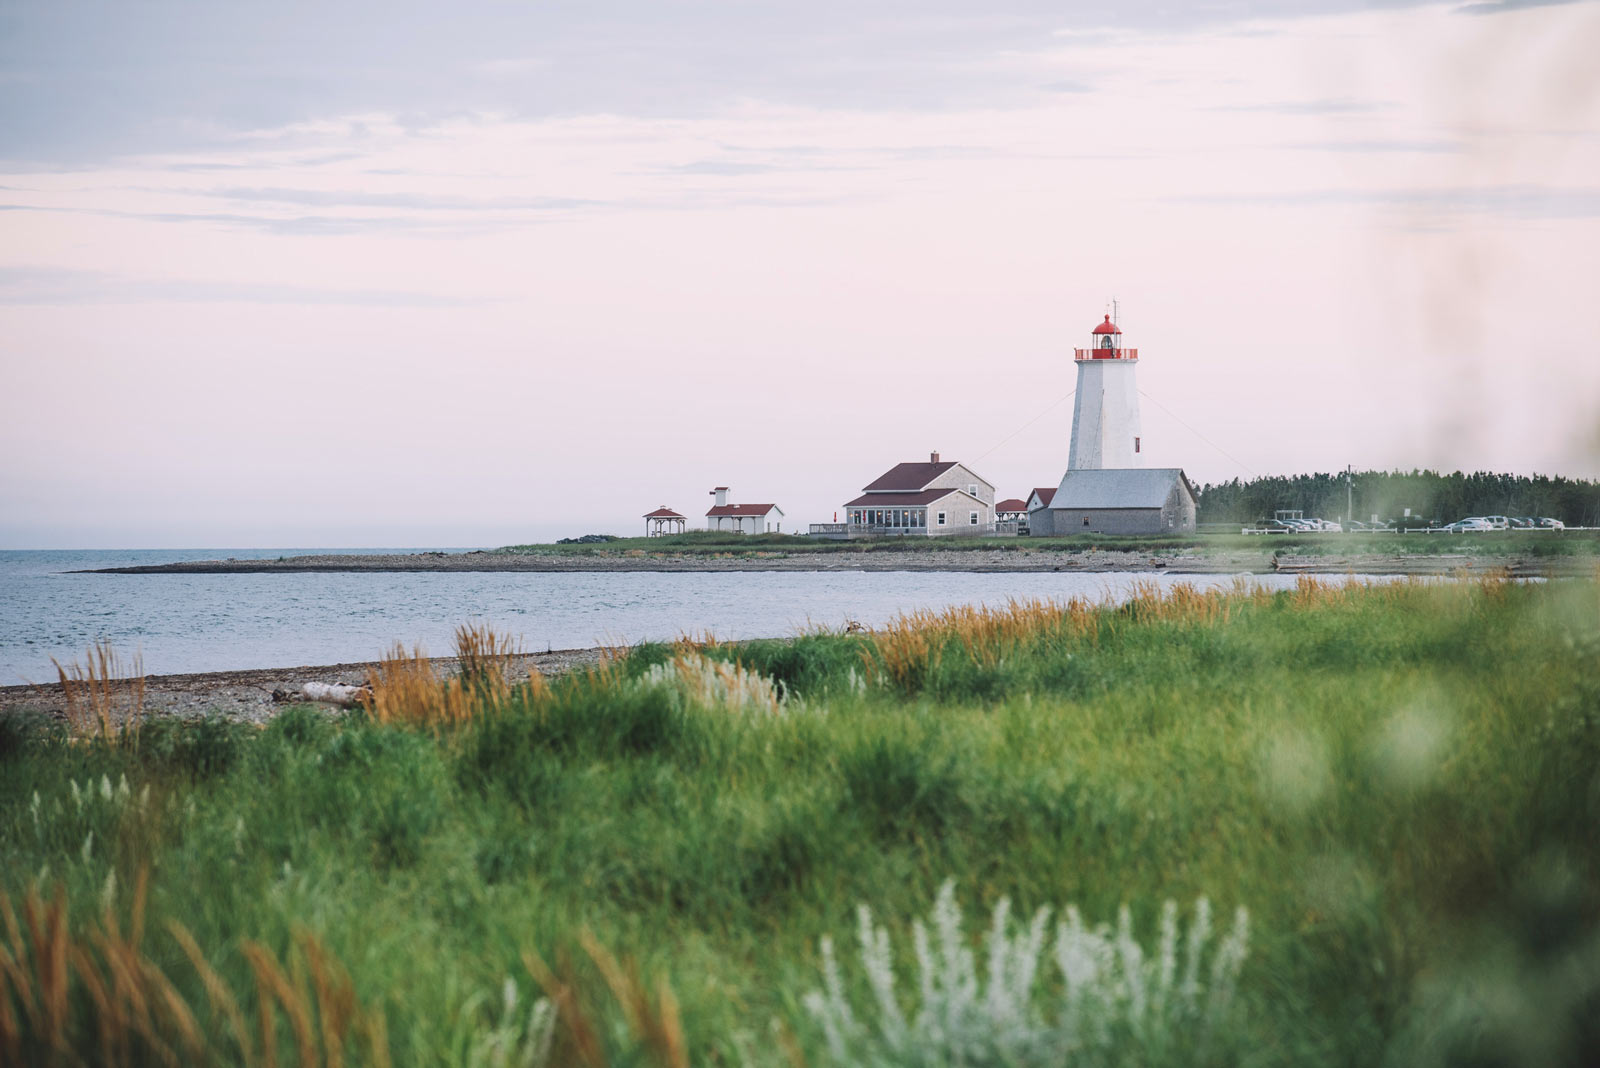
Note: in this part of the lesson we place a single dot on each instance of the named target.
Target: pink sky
(1368, 238)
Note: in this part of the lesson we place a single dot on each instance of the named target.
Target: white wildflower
(1199, 932)
(105, 787)
(88, 847)
(108, 892)
(1119, 1002)
(1132, 959)
(718, 684)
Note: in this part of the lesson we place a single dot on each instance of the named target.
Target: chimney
(933, 457)
(721, 494)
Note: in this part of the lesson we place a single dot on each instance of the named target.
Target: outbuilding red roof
(740, 509)
(1011, 504)
(901, 500)
(1046, 494)
(1107, 327)
(905, 478)
(662, 513)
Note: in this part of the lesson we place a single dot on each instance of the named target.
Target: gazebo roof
(663, 513)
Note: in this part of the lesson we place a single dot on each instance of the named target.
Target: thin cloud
(1507, 201)
(1379, 146)
(55, 286)
(320, 198)
(1327, 106)
(728, 168)
(295, 226)
(1497, 7)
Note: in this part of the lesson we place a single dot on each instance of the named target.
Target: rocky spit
(1192, 561)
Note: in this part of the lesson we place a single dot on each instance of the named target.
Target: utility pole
(1349, 493)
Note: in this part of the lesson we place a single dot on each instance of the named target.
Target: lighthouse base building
(1104, 490)
(1128, 500)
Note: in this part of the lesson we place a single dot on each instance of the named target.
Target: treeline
(1431, 496)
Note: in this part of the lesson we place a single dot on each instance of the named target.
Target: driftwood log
(327, 693)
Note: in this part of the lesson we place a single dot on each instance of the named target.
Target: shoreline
(1022, 559)
(246, 694)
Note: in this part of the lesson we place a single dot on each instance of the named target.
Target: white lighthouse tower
(1105, 413)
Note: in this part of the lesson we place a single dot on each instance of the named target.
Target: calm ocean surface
(183, 623)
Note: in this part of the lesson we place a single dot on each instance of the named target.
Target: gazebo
(663, 521)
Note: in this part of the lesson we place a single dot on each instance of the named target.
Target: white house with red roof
(923, 499)
(743, 518)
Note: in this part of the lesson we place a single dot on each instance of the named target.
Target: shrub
(903, 787)
(201, 748)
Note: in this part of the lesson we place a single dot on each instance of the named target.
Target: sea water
(184, 623)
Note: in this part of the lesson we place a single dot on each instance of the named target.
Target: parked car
(1472, 523)
(1546, 523)
(1497, 522)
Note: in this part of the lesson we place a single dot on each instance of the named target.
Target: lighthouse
(1105, 491)
(1105, 413)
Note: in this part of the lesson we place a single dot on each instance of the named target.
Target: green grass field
(1401, 784)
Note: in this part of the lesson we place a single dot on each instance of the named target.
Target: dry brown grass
(405, 689)
(481, 650)
(103, 695)
(689, 643)
(906, 650)
(652, 1018)
(64, 992)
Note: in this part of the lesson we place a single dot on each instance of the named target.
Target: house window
(941, 519)
(972, 489)
(1085, 520)
(972, 519)
(1135, 444)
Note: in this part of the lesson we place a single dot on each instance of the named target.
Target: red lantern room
(1105, 343)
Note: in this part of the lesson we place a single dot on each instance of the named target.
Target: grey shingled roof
(1116, 487)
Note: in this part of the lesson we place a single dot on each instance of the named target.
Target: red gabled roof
(662, 513)
(1046, 494)
(741, 509)
(1011, 504)
(906, 478)
(1107, 327)
(900, 500)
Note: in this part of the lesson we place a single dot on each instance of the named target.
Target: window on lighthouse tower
(1105, 342)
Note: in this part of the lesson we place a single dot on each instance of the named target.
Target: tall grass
(103, 695)
(92, 986)
(1399, 782)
